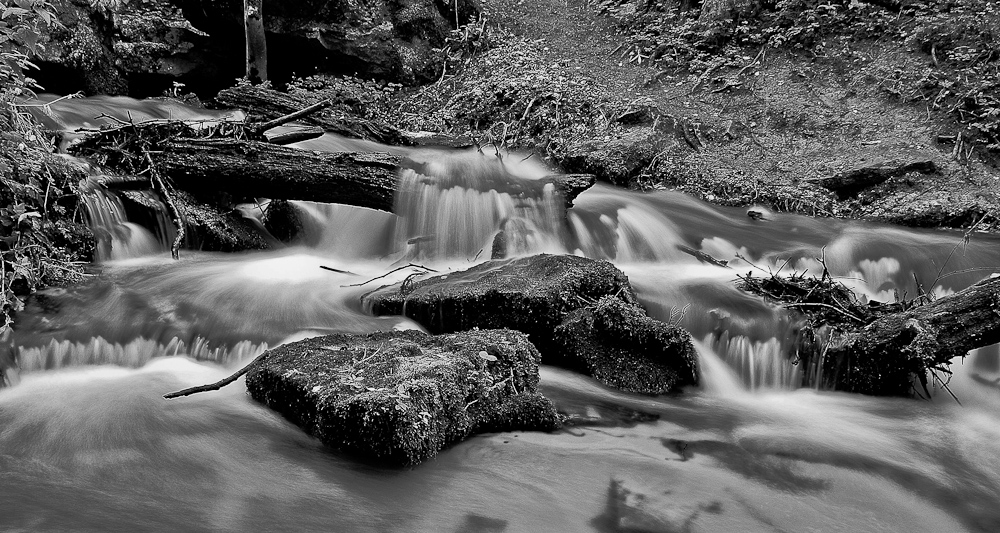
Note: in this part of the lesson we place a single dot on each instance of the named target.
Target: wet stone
(627, 350)
(580, 313)
(529, 294)
(400, 397)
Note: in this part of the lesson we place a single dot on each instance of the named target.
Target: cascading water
(747, 452)
(117, 238)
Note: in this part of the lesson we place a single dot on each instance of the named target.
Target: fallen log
(883, 357)
(259, 169)
(268, 104)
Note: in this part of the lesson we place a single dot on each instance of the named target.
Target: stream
(88, 444)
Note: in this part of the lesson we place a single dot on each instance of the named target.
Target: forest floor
(562, 78)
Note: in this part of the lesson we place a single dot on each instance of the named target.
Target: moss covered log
(400, 397)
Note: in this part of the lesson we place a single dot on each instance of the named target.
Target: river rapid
(88, 444)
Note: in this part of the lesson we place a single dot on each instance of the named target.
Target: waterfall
(133, 354)
(117, 238)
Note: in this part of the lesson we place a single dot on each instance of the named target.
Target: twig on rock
(408, 265)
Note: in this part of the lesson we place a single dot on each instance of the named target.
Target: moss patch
(625, 349)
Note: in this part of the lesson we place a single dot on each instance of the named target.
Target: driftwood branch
(291, 117)
(702, 256)
(397, 269)
(265, 170)
(218, 384)
(175, 214)
(295, 135)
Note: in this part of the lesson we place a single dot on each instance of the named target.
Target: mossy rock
(400, 397)
(529, 294)
(623, 348)
(618, 159)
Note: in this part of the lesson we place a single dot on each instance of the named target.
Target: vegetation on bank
(41, 242)
(952, 66)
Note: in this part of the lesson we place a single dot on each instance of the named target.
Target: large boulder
(625, 349)
(582, 314)
(400, 397)
(529, 294)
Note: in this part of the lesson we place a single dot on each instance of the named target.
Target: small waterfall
(117, 238)
(133, 354)
(455, 205)
(348, 231)
(758, 364)
(717, 377)
(460, 206)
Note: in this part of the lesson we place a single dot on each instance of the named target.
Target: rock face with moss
(580, 313)
(118, 47)
(400, 397)
(624, 348)
(387, 40)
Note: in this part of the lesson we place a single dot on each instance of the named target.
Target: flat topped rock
(400, 397)
(529, 294)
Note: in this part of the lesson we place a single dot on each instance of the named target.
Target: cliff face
(140, 47)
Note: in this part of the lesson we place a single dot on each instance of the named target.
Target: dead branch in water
(175, 215)
(218, 384)
(408, 265)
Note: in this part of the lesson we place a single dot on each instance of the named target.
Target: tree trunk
(256, 42)
(263, 170)
(884, 356)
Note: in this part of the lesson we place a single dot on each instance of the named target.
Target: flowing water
(88, 444)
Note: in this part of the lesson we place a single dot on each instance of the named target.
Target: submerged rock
(625, 349)
(636, 507)
(400, 397)
(580, 313)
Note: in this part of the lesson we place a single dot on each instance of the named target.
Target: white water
(87, 444)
